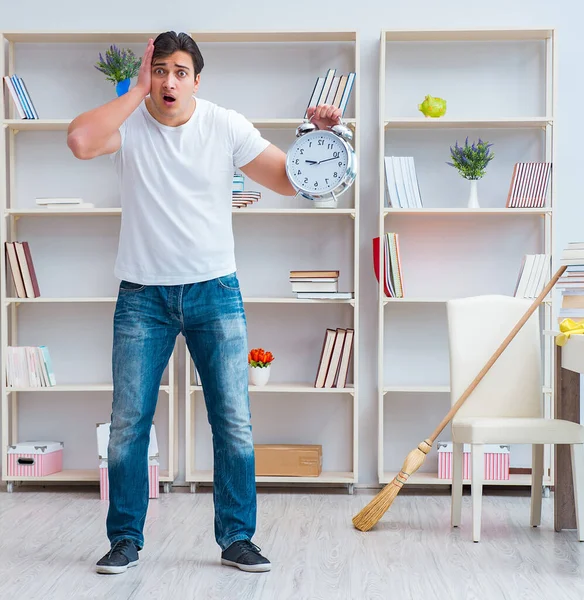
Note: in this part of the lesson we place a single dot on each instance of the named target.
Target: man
(174, 155)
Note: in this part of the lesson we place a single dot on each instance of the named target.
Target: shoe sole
(105, 570)
(249, 568)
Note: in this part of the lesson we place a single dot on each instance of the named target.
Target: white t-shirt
(176, 185)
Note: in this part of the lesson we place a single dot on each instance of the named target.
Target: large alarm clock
(321, 163)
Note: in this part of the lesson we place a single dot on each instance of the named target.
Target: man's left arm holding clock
(269, 167)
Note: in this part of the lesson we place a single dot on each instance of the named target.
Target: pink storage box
(103, 431)
(496, 461)
(35, 459)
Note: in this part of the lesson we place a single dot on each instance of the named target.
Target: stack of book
(21, 98)
(23, 274)
(533, 275)
(392, 268)
(317, 285)
(401, 183)
(571, 283)
(529, 185)
(332, 89)
(29, 366)
(240, 197)
(65, 203)
(334, 358)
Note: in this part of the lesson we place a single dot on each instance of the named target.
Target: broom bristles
(371, 514)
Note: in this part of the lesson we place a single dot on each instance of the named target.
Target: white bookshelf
(276, 111)
(18, 209)
(439, 241)
(286, 400)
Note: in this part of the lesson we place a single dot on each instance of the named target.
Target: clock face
(317, 162)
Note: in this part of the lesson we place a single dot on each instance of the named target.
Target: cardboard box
(496, 461)
(35, 459)
(288, 460)
(103, 432)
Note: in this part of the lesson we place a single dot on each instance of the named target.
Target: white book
(325, 295)
(58, 200)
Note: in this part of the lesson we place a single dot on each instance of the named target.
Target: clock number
(340, 163)
(305, 180)
(330, 147)
(316, 184)
(310, 144)
(299, 172)
(335, 174)
(296, 162)
(335, 154)
(301, 150)
(326, 179)
(320, 142)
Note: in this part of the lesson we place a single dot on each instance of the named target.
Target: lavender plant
(471, 161)
(118, 65)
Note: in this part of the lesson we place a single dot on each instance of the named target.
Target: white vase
(259, 375)
(473, 198)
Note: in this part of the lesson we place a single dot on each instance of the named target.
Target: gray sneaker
(122, 556)
(245, 556)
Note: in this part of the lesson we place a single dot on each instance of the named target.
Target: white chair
(506, 407)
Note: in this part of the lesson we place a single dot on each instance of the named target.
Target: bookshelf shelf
(324, 477)
(514, 212)
(418, 478)
(467, 35)
(78, 476)
(126, 37)
(63, 124)
(412, 389)
(105, 387)
(292, 388)
(448, 241)
(451, 123)
(107, 212)
(112, 299)
(414, 300)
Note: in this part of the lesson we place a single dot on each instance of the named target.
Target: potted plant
(471, 162)
(259, 362)
(119, 66)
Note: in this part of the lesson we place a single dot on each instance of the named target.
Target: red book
(376, 267)
(27, 269)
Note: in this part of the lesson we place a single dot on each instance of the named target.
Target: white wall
(368, 17)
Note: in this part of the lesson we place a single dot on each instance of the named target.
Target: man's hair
(169, 42)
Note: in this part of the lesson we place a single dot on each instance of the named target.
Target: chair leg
(457, 473)
(476, 490)
(577, 451)
(536, 484)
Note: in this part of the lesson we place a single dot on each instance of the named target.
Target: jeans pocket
(229, 282)
(128, 286)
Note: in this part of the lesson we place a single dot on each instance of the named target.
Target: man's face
(173, 84)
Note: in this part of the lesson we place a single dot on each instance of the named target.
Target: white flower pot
(259, 375)
(473, 198)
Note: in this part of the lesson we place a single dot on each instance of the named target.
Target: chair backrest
(513, 385)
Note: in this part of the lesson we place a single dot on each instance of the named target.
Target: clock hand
(311, 162)
(327, 159)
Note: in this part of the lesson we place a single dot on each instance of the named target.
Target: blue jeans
(147, 322)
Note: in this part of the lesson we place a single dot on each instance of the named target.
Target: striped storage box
(35, 459)
(153, 480)
(496, 461)
(103, 431)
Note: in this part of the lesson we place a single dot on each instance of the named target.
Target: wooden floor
(51, 539)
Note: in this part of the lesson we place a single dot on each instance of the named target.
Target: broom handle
(497, 353)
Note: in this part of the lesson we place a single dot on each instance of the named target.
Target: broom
(371, 514)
